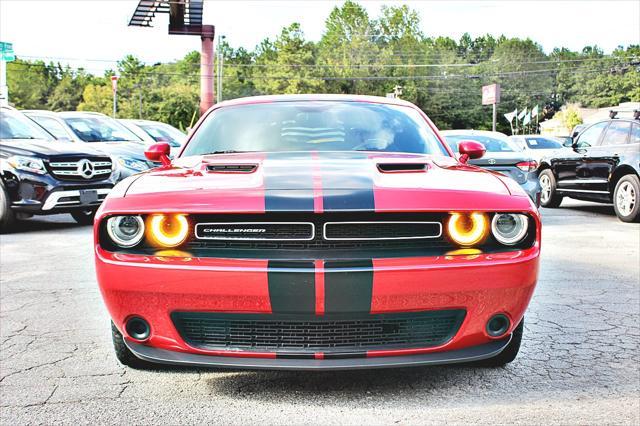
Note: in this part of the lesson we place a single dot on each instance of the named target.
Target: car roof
(81, 114)
(40, 112)
(315, 97)
(473, 132)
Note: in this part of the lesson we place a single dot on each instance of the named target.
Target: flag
(510, 115)
(527, 119)
(522, 114)
(534, 112)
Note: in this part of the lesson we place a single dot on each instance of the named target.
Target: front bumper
(163, 356)
(154, 287)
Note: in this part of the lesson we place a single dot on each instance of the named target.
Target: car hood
(320, 182)
(501, 159)
(121, 149)
(46, 149)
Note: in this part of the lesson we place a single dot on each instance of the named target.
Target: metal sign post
(491, 96)
(114, 88)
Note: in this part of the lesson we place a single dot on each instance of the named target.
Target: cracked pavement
(579, 362)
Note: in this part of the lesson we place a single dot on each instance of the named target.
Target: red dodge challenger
(316, 232)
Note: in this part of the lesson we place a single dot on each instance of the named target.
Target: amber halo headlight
(125, 231)
(468, 229)
(509, 228)
(167, 230)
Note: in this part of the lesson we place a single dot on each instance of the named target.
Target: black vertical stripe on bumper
(292, 291)
(288, 184)
(348, 291)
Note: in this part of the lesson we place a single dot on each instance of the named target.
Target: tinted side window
(616, 133)
(590, 136)
(635, 134)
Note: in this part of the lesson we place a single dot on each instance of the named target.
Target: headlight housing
(468, 229)
(27, 164)
(125, 231)
(165, 230)
(136, 165)
(509, 228)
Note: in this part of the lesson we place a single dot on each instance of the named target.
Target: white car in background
(152, 132)
(538, 146)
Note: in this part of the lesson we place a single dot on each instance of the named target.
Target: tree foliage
(358, 54)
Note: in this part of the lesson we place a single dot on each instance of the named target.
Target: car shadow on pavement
(604, 209)
(39, 224)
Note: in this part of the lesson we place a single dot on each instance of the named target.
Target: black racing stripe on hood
(355, 183)
(288, 186)
(292, 291)
(348, 291)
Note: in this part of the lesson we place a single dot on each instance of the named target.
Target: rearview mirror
(470, 150)
(159, 152)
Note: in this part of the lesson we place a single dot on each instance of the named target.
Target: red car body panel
(153, 286)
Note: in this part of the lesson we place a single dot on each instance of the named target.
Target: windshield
(542, 143)
(164, 133)
(315, 126)
(100, 129)
(490, 143)
(14, 125)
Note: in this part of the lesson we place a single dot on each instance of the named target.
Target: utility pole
(114, 88)
(220, 65)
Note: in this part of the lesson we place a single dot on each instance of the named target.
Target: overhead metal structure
(185, 17)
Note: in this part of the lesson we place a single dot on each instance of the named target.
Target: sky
(94, 33)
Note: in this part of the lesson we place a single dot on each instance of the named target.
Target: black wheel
(548, 195)
(84, 217)
(124, 355)
(7, 216)
(509, 353)
(626, 199)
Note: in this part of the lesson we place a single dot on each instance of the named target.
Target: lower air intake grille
(296, 333)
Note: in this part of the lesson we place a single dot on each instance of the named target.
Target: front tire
(124, 354)
(84, 217)
(7, 216)
(548, 195)
(509, 353)
(626, 199)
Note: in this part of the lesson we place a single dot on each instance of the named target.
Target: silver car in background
(503, 156)
(152, 132)
(102, 132)
(538, 146)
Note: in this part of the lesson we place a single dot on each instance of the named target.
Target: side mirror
(470, 150)
(159, 152)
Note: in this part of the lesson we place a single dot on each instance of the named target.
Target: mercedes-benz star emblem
(85, 169)
(492, 161)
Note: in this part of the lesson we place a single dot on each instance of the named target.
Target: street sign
(6, 52)
(491, 94)
(114, 83)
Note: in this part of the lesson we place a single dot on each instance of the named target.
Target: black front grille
(308, 334)
(379, 230)
(255, 231)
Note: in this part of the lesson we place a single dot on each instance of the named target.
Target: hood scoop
(232, 168)
(402, 167)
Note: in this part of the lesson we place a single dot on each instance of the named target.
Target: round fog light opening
(125, 231)
(498, 325)
(509, 228)
(137, 328)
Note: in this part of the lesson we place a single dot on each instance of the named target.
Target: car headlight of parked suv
(133, 164)
(27, 164)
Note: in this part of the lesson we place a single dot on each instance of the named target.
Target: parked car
(104, 134)
(502, 156)
(603, 166)
(566, 141)
(350, 218)
(40, 176)
(152, 132)
(537, 146)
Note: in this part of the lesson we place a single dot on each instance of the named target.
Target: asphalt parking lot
(579, 362)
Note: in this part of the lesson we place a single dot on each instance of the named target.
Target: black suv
(603, 167)
(40, 176)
